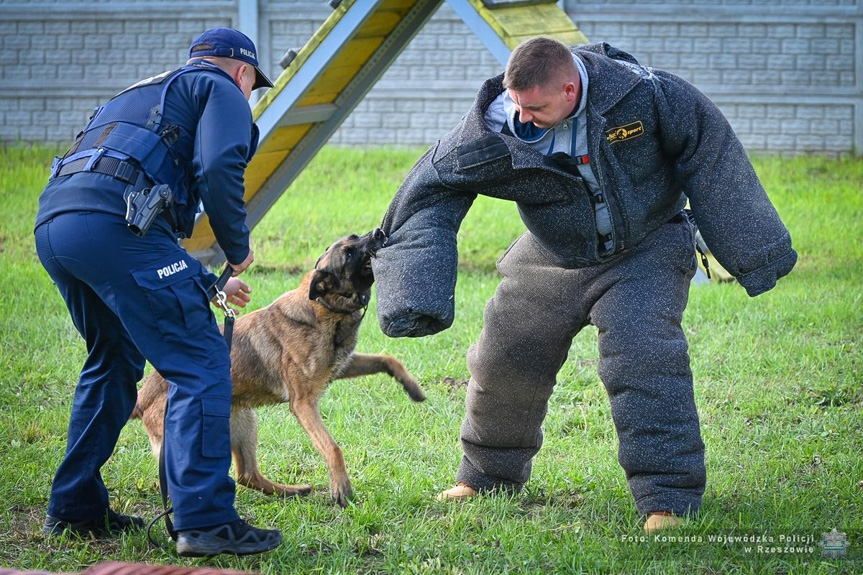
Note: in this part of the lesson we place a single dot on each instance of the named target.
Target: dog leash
(220, 299)
(163, 491)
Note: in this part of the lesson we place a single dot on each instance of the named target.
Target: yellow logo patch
(627, 132)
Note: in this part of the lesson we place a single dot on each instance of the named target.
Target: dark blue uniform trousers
(636, 301)
(135, 299)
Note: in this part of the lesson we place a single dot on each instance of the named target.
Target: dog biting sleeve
(415, 277)
(415, 273)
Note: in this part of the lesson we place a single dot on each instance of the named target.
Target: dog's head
(344, 271)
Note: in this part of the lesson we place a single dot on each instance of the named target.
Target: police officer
(137, 298)
(600, 153)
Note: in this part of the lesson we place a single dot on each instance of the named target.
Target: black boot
(109, 525)
(236, 538)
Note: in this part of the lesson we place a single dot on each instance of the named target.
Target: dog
(290, 351)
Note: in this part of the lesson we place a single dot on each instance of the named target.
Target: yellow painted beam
(203, 238)
(379, 24)
(517, 23)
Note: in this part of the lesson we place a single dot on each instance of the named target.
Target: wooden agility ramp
(325, 80)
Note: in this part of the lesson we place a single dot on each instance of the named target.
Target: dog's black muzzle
(374, 240)
(377, 240)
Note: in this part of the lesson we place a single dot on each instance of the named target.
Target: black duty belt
(121, 169)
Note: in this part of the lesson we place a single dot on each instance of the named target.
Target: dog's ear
(322, 282)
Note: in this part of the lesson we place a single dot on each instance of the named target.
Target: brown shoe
(460, 492)
(659, 520)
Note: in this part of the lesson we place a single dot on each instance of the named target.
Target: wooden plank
(268, 159)
(517, 23)
(253, 182)
(283, 137)
(265, 163)
(542, 19)
(400, 6)
(350, 60)
(570, 38)
(379, 24)
(330, 85)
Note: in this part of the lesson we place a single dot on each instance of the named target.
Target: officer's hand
(237, 291)
(240, 268)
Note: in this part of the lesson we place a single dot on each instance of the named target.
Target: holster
(144, 206)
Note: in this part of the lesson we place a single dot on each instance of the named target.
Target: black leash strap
(218, 297)
(221, 300)
(163, 490)
(700, 245)
(163, 483)
(220, 283)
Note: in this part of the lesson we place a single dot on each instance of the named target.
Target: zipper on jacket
(614, 242)
(602, 220)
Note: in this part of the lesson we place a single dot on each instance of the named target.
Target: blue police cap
(229, 43)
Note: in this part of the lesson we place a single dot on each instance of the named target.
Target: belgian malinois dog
(290, 351)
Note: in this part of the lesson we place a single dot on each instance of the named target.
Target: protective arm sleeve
(733, 212)
(416, 271)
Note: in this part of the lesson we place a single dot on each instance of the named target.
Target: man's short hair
(538, 62)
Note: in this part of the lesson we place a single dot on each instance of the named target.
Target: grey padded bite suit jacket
(654, 141)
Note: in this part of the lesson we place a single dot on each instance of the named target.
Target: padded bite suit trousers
(636, 301)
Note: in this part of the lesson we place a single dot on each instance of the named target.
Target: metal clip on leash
(222, 302)
(220, 298)
(703, 250)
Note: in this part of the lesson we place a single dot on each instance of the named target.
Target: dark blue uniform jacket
(217, 138)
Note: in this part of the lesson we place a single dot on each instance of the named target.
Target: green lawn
(778, 384)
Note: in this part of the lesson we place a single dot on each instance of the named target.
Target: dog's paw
(342, 494)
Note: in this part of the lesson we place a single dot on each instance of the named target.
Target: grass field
(777, 379)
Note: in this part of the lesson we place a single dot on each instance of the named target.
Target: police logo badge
(833, 544)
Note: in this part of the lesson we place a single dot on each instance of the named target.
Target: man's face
(545, 106)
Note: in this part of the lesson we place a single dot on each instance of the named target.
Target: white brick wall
(785, 72)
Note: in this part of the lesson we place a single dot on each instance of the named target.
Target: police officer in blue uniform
(162, 147)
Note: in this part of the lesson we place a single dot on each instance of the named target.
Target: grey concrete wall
(787, 73)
